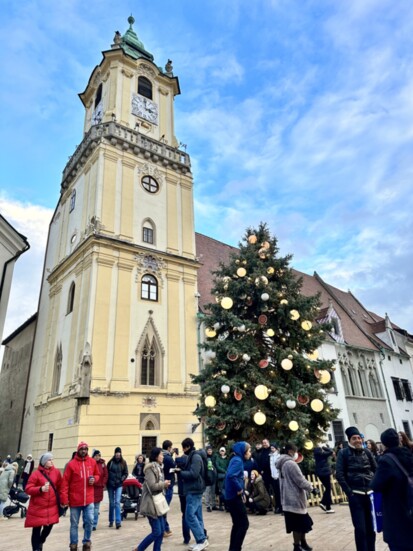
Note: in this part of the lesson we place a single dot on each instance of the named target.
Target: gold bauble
(210, 332)
(252, 239)
(293, 425)
(308, 445)
(284, 301)
(260, 418)
(270, 270)
(286, 364)
(306, 325)
(316, 405)
(270, 332)
(261, 392)
(324, 377)
(313, 355)
(241, 272)
(294, 314)
(210, 401)
(227, 303)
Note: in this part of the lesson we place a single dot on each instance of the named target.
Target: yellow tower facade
(116, 338)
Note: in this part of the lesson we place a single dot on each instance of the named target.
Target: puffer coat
(6, 481)
(154, 484)
(99, 486)
(43, 509)
(260, 495)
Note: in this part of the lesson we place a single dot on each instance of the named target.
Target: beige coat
(154, 484)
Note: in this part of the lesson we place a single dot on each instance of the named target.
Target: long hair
(406, 442)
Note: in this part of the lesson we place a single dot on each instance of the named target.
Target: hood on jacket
(283, 459)
(240, 448)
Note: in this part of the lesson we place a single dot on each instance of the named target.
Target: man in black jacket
(354, 472)
(323, 470)
(169, 474)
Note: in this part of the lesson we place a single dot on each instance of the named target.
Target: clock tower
(116, 338)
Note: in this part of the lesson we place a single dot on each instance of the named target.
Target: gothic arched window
(150, 363)
(98, 97)
(149, 288)
(145, 87)
(71, 298)
(57, 370)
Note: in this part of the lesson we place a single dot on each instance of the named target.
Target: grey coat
(154, 484)
(294, 486)
(6, 481)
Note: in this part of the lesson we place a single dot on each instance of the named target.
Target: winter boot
(73, 547)
(305, 546)
(87, 546)
(297, 547)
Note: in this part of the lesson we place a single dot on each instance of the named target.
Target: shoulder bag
(62, 510)
(159, 501)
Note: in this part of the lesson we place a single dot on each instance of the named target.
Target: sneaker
(200, 546)
(110, 524)
(118, 525)
(167, 534)
(330, 511)
(323, 507)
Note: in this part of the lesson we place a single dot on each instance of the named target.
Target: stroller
(131, 497)
(17, 498)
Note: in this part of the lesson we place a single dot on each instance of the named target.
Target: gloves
(315, 492)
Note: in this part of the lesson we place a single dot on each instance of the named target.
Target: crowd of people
(241, 481)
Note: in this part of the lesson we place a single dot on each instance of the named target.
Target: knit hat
(390, 438)
(208, 447)
(96, 452)
(118, 450)
(351, 431)
(45, 458)
(82, 445)
(275, 445)
(222, 449)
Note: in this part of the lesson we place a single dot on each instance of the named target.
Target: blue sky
(298, 113)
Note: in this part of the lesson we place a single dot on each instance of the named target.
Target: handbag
(159, 502)
(62, 510)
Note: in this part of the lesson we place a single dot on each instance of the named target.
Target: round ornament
(261, 280)
(225, 389)
(303, 400)
(300, 458)
(293, 425)
(265, 245)
(221, 425)
(210, 332)
(290, 404)
(262, 253)
(317, 405)
(270, 270)
(227, 303)
(210, 401)
(262, 319)
(294, 314)
(246, 357)
(287, 364)
(325, 376)
(313, 355)
(261, 392)
(241, 328)
(265, 297)
(252, 239)
(306, 325)
(308, 445)
(259, 418)
(263, 364)
(237, 394)
(232, 356)
(270, 332)
(241, 272)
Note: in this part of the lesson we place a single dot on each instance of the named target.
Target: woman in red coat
(43, 509)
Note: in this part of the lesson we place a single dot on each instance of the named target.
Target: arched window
(148, 363)
(150, 184)
(345, 382)
(72, 201)
(98, 97)
(71, 298)
(352, 382)
(148, 232)
(149, 288)
(145, 87)
(150, 426)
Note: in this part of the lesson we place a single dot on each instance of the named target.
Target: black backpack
(409, 504)
(206, 474)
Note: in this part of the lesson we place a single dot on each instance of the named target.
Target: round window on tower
(150, 184)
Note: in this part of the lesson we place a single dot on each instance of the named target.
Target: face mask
(295, 456)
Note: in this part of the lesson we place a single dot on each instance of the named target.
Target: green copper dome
(131, 44)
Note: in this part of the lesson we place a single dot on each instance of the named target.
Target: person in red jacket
(78, 493)
(43, 511)
(100, 485)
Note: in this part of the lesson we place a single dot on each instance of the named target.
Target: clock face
(145, 108)
(97, 114)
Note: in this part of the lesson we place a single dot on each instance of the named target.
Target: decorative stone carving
(150, 170)
(145, 70)
(127, 73)
(149, 263)
(163, 91)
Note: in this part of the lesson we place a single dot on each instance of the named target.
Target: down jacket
(43, 509)
(6, 481)
(154, 484)
(101, 483)
(259, 494)
(294, 486)
(76, 490)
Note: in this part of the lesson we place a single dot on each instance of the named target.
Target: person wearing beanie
(99, 486)
(43, 487)
(117, 473)
(209, 494)
(391, 481)
(80, 476)
(221, 465)
(27, 469)
(6, 482)
(322, 454)
(354, 472)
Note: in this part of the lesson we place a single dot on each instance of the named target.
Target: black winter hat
(118, 450)
(390, 438)
(351, 431)
(96, 452)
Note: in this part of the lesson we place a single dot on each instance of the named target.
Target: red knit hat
(82, 445)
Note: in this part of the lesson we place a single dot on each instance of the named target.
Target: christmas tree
(262, 375)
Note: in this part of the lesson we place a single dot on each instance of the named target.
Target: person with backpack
(117, 473)
(169, 474)
(392, 480)
(354, 472)
(193, 478)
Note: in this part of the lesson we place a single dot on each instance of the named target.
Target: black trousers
(240, 523)
(326, 482)
(277, 494)
(364, 533)
(39, 535)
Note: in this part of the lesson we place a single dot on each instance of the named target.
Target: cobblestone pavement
(266, 533)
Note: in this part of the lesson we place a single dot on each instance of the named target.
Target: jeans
(186, 533)
(39, 535)
(326, 482)
(209, 496)
(169, 493)
(75, 512)
(240, 523)
(193, 516)
(114, 503)
(96, 514)
(156, 536)
(364, 533)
